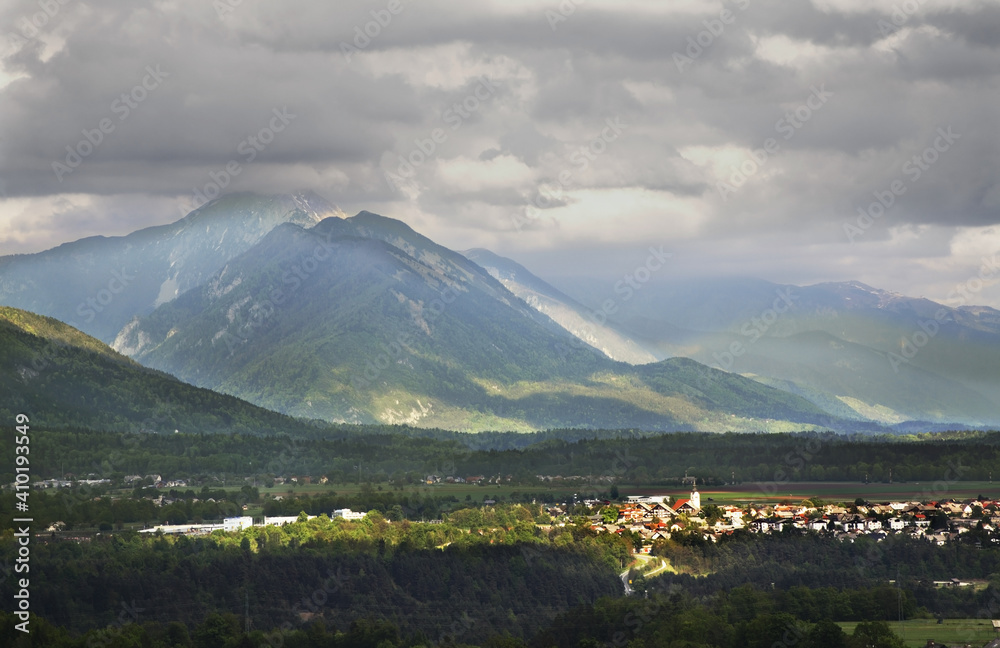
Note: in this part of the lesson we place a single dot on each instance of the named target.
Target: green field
(770, 492)
(916, 632)
(737, 494)
(732, 494)
(474, 493)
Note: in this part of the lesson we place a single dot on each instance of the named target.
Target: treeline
(485, 577)
(405, 456)
(96, 506)
(661, 620)
(678, 619)
(815, 577)
(500, 570)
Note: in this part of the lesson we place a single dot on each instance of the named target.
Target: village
(656, 517)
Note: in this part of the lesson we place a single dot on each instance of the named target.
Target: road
(644, 558)
(628, 588)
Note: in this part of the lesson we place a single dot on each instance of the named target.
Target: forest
(484, 577)
(403, 454)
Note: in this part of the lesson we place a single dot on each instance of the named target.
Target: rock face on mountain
(585, 323)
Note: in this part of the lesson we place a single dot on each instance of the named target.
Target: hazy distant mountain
(61, 377)
(585, 323)
(99, 283)
(363, 319)
(846, 346)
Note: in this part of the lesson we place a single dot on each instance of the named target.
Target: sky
(799, 142)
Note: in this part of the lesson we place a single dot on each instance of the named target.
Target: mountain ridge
(390, 327)
(98, 283)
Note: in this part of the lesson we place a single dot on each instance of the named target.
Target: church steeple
(695, 496)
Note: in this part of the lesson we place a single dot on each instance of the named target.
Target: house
(768, 525)
(818, 525)
(662, 510)
(237, 523)
(348, 514)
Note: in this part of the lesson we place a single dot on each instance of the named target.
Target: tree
(825, 634)
(395, 513)
(609, 514)
(712, 513)
(216, 630)
(874, 634)
(767, 630)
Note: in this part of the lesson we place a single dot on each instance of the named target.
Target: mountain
(852, 349)
(61, 377)
(586, 324)
(365, 320)
(99, 283)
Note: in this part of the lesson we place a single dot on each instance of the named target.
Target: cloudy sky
(747, 137)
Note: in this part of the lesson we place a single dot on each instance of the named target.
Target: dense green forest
(812, 576)
(485, 577)
(387, 453)
(496, 567)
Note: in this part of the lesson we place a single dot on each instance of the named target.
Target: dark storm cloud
(695, 104)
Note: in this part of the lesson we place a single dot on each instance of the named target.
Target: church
(690, 506)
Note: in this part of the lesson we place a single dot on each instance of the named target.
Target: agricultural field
(916, 632)
(771, 492)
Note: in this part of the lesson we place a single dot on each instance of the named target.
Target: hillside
(61, 377)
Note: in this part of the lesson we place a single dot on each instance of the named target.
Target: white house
(237, 523)
(348, 514)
